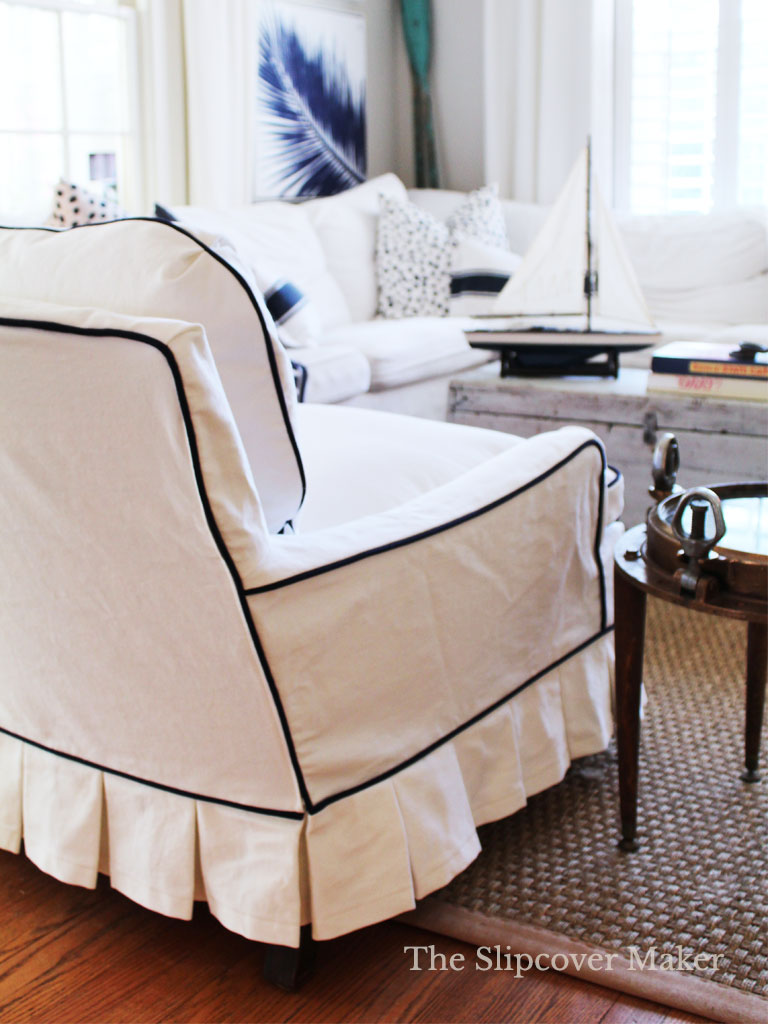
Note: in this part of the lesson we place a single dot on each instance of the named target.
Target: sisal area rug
(687, 915)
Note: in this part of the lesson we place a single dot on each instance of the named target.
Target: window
(68, 87)
(691, 104)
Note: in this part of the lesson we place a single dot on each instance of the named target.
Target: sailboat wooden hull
(540, 351)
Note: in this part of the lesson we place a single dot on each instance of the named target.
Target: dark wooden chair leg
(289, 968)
(629, 603)
(757, 666)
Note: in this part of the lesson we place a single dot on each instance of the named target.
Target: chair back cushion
(147, 267)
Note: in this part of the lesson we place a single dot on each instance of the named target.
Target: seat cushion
(403, 351)
(145, 267)
(360, 462)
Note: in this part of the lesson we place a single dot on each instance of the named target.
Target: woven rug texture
(700, 879)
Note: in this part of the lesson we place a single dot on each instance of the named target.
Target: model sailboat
(574, 297)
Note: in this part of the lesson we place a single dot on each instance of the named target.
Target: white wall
(382, 32)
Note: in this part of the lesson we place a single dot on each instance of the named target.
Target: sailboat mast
(588, 278)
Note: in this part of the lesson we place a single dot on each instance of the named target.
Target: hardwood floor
(72, 955)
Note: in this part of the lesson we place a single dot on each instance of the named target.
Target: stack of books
(708, 371)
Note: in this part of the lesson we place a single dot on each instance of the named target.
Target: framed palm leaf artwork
(310, 97)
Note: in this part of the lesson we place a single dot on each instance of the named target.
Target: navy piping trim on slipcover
(326, 801)
(616, 476)
(272, 812)
(268, 340)
(342, 562)
(98, 332)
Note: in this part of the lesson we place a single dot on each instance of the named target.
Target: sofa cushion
(334, 372)
(712, 267)
(403, 351)
(732, 303)
(346, 226)
(145, 267)
(709, 250)
(276, 238)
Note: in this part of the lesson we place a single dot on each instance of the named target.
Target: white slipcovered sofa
(297, 727)
(702, 276)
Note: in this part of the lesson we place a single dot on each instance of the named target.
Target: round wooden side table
(636, 576)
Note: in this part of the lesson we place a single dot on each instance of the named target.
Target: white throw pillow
(413, 261)
(480, 216)
(74, 205)
(478, 274)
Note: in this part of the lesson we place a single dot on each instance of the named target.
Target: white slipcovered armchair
(295, 726)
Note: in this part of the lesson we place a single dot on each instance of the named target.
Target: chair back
(151, 268)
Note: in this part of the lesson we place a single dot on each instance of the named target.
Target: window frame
(131, 191)
(726, 144)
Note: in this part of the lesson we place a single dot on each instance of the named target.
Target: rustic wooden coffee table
(635, 576)
(719, 439)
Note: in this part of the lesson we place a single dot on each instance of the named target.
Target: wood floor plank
(629, 1010)
(73, 955)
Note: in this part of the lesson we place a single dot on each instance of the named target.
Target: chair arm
(388, 634)
(474, 493)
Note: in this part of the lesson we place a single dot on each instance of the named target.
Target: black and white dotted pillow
(480, 216)
(413, 261)
(73, 206)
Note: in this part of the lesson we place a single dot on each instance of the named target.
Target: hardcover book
(707, 360)
(696, 385)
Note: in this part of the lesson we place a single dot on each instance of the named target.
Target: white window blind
(691, 104)
(69, 108)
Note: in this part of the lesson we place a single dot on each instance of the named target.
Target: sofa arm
(387, 634)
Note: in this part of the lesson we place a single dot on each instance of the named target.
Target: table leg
(629, 604)
(757, 664)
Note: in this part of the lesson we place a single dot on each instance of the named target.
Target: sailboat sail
(550, 281)
(618, 294)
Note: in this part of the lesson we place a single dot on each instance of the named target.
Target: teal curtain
(417, 29)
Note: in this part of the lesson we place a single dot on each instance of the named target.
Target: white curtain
(219, 52)
(162, 84)
(553, 61)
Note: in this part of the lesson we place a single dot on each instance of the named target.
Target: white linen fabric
(154, 268)
(170, 682)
